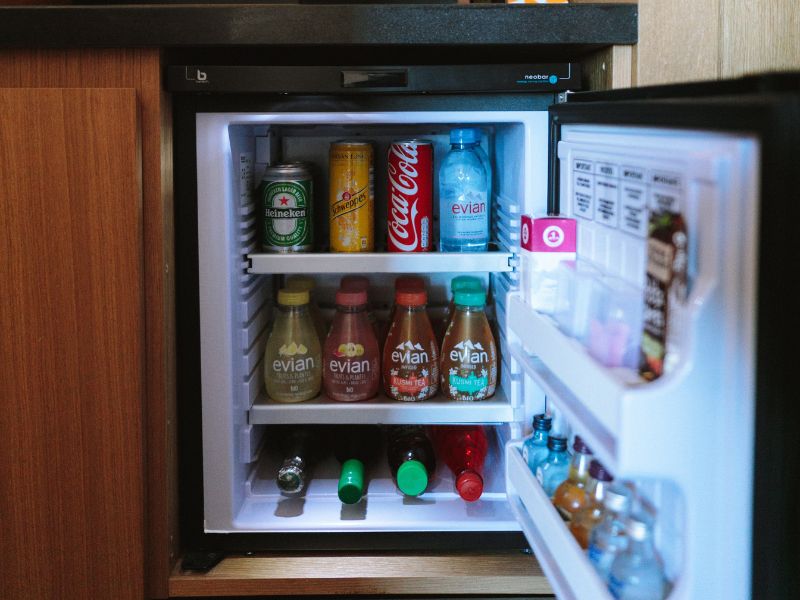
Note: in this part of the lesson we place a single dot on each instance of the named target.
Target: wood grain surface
(491, 574)
(609, 69)
(760, 36)
(72, 317)
(139, 69)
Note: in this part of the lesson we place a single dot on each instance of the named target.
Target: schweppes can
(352, 197)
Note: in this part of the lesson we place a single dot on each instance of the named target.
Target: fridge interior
(237, 288)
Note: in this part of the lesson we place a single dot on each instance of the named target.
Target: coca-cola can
(410, 212)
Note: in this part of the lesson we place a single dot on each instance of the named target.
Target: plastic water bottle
(636, 573)
(608, 539)
(464, 201)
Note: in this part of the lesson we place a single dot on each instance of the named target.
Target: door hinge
(563, 97)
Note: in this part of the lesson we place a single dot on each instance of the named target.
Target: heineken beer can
(286, 193)
(352, 197)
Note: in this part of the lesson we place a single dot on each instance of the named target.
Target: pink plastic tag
(548, 234)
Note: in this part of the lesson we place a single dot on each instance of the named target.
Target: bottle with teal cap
(469, 354)
(354, 447)
(457, 284)
(411, 458)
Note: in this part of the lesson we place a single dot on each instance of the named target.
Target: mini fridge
(706, 445)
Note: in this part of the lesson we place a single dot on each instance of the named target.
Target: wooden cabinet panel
(72, 348)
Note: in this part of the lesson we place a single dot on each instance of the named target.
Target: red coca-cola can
(410, 196)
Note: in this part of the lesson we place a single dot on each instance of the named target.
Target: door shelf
(381, 410)
(564, 562)
(381, 262)
(627, 422)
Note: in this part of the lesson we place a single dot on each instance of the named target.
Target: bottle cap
(292, 297)
(354, 283)
(465, 135)
(598, 471)
(412, 478)
(470, 298)
(465, 282)
(410, 298)
(409, 282)
(542, 422)
(469, 486)
(580, 446)
(557, 443)
(351, 297)
(290, 478)
(618, 499)
(299, 283)
(351, 482)
(638, 526)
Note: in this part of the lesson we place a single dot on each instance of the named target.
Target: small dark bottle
(301, 448)
(354, 446)
(411, 458)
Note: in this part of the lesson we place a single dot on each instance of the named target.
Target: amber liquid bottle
(469, 354)
(411, 354)
(571, 495)
(588, 517)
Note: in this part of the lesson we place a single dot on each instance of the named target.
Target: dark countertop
(568, 29)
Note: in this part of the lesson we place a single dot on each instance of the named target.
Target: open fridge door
(685, 441)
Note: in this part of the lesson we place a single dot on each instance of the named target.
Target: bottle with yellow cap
(304, 282)
(293, 359)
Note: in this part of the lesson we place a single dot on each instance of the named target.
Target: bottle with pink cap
(350, 358)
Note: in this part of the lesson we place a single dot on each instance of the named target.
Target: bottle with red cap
(402, 283)
(463, 449)
(410, 354)
(359, 282)
(350, 358)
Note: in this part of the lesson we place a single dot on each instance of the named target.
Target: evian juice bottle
(469, 354)
(292, 357)
(351, 369)
(411, 354)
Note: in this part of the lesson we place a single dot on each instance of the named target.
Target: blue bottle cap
(465, 135)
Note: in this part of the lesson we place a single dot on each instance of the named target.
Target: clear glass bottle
(588, 517)
(464, 201)
(637, 573)
(554, 468)
(608, 539)
(571, 494)
(534, 448)
(293, 357)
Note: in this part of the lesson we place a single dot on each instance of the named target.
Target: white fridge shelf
(381, 262)
(627, 422)
(564, 562)
(381, 410)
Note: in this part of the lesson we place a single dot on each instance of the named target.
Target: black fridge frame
(186, 107)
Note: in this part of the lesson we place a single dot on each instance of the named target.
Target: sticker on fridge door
(665, 191)
(583, 188)
(246, 178)
(606, 196)
(633, 214)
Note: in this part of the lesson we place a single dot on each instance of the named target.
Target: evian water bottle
(464, 195)
(410, 210)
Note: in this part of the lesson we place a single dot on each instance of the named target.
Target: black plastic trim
(294, 25)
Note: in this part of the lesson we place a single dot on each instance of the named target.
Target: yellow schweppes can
(352, 197)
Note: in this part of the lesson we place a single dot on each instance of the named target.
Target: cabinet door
(72, 344)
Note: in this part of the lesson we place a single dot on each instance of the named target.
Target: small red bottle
(463, 449)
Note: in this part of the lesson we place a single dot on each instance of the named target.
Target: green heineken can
(287, 193)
